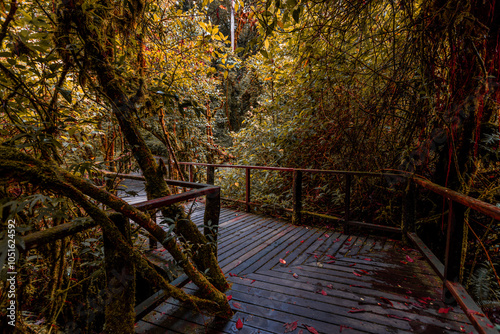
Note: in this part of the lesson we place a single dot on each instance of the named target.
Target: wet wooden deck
(333, 283)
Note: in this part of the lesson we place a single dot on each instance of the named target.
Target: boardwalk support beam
(120, 275)
(297, 197)
(454, 241)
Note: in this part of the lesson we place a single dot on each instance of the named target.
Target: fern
(484, 287)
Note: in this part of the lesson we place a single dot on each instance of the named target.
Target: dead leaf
(237, 305)
(409, 258)
(282, 261)
(367, 259)
(239, 324)
(330, 286)
(356, 310)
(290, 326)
(295, 275)
(355, 273)
(445, 310)
(229, 297)
(387, 301)
(311, 329)
(323, 292)
(342, 327)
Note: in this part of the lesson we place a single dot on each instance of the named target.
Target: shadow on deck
(318, 278)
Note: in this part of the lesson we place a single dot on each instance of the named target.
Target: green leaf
(66, 93)
(296, 14)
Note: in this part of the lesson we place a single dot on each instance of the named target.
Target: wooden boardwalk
(332, 283)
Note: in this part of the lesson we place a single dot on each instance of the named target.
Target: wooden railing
(457, 203)
(212, 194)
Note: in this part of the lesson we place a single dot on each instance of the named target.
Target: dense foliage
(341, 85)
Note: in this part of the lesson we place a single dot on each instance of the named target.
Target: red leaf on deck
(290, 326)
(330, 262)
(331, 256)
(326, 235)
(282, 261)
(349, 239)
(355, 273)
(229, 297)
(232, 275)
(387, 301)
(311, 329)
(236, 304)
(445, 310)
(352, 264)
(329, 286)
(239, 324)
(489, 325)
(287, 252)
(356, 310)
(364, 271)
(367, 259)
(301, 241)
(403, 262)
(336, 240)
(347, 243)
(323, 292)
(295, 275)
(342, 327)
(252, 282)
(409, 258)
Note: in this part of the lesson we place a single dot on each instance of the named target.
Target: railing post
(153, 243)
(297, 197)
(347, 202)
(454, 243)
(211, 218)
(247, 189)
(120, 275)
(409, 209)
(191, 173)
(210, 174)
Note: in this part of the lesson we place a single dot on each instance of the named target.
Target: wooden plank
(475, 314)
(431, 258)
(267, 250)
(363, 295)
(374, 312)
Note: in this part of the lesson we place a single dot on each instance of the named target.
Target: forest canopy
(90, 86)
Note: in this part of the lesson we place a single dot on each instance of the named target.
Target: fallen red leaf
(330, 262)
(409, 258)
(352, 264)
(229, 297)
(323, 292)
(295, 275)
(445, 310)
(330, 286)
(489, 325)
(290, 326)
(387, 301)
(342, 327)
(252, 282)
(367, 259)
(326, 235)
(311, 329)
(356, 310)
(355, 273)
(231, 274)
(282, 261)
(239, 324)
(236, 304)
(331, 256)
(364, 271)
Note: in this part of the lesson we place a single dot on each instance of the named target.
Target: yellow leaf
(226, 74)
(237, 184)
(267, 79)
